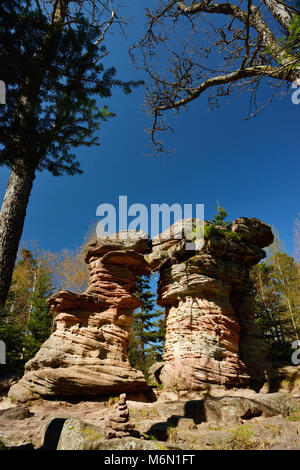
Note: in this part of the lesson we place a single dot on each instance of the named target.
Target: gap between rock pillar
(87, 354)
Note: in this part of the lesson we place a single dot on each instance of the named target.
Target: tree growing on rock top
(219, 218)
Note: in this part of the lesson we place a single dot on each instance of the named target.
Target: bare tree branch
(186, 51)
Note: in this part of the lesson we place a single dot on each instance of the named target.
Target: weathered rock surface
(15, 413)
(210, 333)
(285, 379)
(117, 424)
(220, 421)
(75, 434)
(273, 433)
(87, 354)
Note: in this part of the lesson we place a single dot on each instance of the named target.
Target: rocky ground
(236, 419)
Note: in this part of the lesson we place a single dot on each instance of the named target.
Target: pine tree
(148, 330)
(50, 61)
(40, 320)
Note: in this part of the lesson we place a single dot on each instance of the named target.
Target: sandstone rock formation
(87, 354)
(117, 423)
(210, 333)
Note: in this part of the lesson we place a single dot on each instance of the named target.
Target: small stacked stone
(117, 424)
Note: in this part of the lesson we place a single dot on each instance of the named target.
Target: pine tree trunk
(12, 216)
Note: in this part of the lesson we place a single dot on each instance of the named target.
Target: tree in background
(287, 281)
(148, 330)
(70, 270)
(219, 47)
(297, 239)
(270, 310)
(51, 60)
(26, 320)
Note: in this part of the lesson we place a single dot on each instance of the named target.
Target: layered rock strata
(87, 354)
(210, 333)
(117, 424)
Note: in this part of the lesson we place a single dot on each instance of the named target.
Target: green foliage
(211, 230)
(26, 320)
(233, 235)
(220, 227)
(148, 330)
(290, 43)
(219, 218)
(277, 301)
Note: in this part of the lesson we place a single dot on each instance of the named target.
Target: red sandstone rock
(87, 354)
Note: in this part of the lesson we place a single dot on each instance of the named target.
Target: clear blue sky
(251, 167)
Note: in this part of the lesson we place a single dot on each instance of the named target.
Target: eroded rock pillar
(210, 333)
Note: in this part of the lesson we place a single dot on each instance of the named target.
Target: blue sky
(251, 167)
